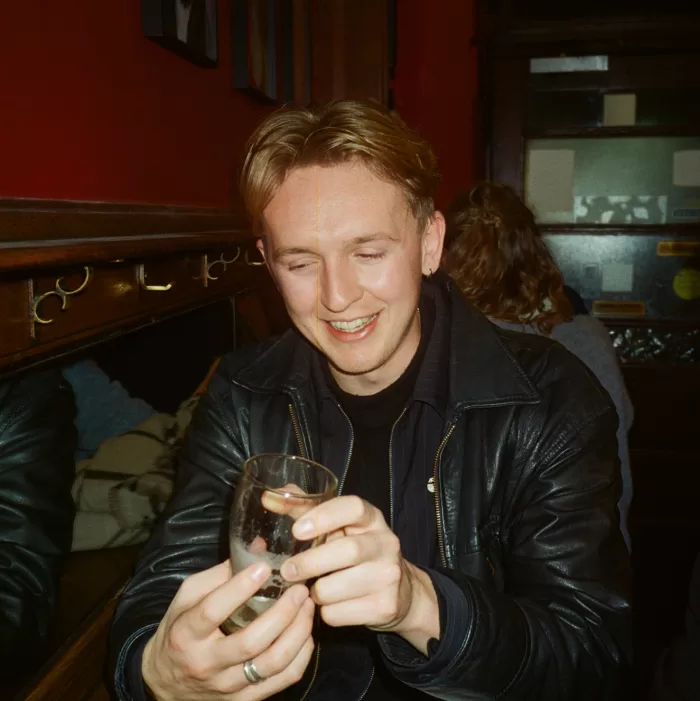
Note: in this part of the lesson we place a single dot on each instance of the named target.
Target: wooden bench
(77, 274)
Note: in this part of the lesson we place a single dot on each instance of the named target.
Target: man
(475, 551)
(37, 443)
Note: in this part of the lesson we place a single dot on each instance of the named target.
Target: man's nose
(339, 286)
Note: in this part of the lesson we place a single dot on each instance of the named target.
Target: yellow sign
(603, 308)
(678, 248)
(686, 284)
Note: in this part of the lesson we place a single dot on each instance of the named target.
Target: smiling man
(475, 551)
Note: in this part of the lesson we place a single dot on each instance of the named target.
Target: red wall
(89, 109)
(435, 86)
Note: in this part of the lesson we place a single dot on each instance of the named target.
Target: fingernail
(290, 571)
(259, 572)
(303, 527)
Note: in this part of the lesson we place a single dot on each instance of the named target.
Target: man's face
(347, 256)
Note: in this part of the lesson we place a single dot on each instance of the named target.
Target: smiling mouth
(353, 326)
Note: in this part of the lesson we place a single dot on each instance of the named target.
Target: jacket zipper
(352, 445)
(436, 495)
(391, 471)
(371, 679)
(340, 491)
(297, 432)
(300, 443)
(391, 516)
(313, 676)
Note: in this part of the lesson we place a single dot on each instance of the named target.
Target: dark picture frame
(254, 50)
(188, 28)
(296, 51)
(271, 50)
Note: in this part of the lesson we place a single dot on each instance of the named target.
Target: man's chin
(346, 364)
(352, 369)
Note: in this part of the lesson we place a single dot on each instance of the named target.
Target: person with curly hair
(497, 256)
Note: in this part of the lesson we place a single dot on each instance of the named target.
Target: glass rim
(283, 492)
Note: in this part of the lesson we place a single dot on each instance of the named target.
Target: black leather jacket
(527, 487)
(37, 446)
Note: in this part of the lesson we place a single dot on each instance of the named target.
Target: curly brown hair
(496, 255)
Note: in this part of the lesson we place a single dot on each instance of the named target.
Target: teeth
(352, 326)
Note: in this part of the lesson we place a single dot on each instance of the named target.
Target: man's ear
(433, 240)
(260, 245)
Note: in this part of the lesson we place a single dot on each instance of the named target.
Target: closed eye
(300, 265)
(371, 256)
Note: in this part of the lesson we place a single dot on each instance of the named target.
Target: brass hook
(252, 262)
(223, 262)
(58, 291)
(141, 277)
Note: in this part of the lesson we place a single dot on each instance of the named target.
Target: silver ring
(251, 674)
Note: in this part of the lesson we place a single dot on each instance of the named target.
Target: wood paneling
(509, 35)
(113, 301)
(23, 255)
(506, 130)
(14, 316)
(78, 643)
(23, 219)
(35, 233)
(350, 50)
(46, 245)
(194, 256)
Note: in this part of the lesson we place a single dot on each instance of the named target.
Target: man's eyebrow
(369, 238)
(287, 251)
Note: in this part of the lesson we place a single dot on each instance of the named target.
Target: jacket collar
(482, 371)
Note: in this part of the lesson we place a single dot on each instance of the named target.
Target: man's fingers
(348, 512)
(195, 587)
(285, 502)
(205, 617)
(276, 658)
(257, 545)
(334, 536)
(329, 557)
(268, 688)
(283, 651)
(363, 580)
(256, 637)
(357, 612)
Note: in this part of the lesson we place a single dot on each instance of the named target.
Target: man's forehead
(336, 184)
(360, 196)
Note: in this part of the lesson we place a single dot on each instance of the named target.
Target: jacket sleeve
(37, 446)
(677, 677)
(559, 626)
(188, 538)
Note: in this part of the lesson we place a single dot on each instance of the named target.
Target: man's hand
(190, 659)
(363, 579)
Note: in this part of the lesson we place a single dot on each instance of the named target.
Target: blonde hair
(339, 132)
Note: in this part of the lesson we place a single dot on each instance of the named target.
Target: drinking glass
(273, 492)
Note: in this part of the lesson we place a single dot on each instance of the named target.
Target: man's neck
(377, 380)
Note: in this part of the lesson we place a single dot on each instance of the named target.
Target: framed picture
(254, 50)
(272, 50)
(296, 51)
(185, 27)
